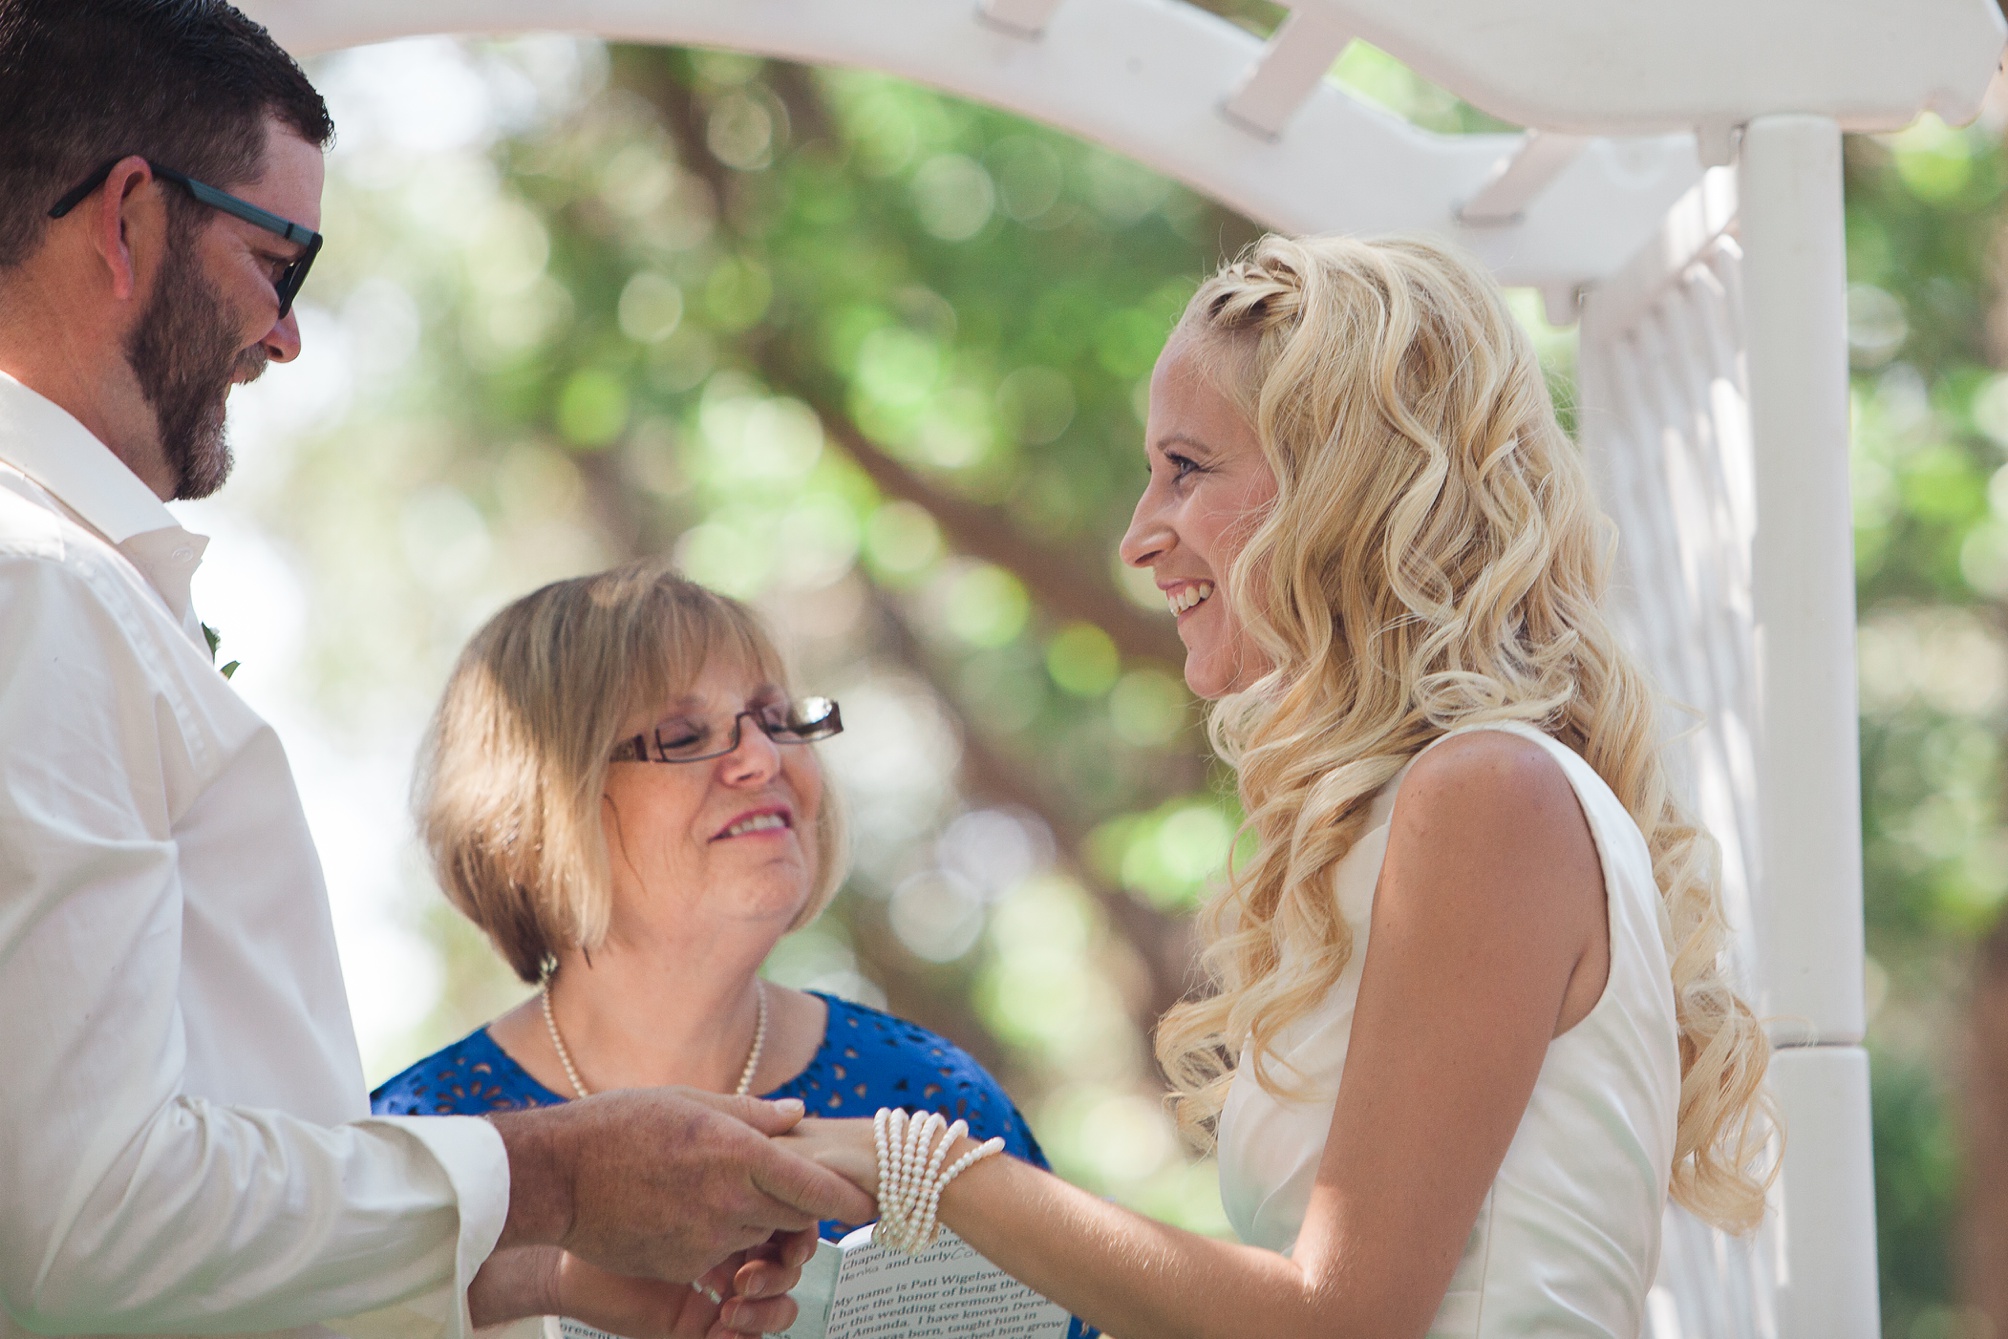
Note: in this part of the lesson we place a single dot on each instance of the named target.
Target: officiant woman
(621, 790)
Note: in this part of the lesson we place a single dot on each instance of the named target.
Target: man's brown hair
(187, 84)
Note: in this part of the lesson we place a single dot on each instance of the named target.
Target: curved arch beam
(1147, 78)
(1612, 67)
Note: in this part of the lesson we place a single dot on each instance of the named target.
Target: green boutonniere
(215, 639)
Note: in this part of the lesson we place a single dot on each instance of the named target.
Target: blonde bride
(1468, 1028)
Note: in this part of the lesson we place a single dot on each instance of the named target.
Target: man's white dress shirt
(185, 1139)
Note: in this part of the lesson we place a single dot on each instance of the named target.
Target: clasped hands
(621, 1202)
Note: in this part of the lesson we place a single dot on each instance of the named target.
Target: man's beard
(184, 355)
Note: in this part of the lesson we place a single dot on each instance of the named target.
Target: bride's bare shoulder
(1481, 760)
(1493, 795)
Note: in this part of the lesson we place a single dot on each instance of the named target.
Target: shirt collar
(42, 440)
(45, 442)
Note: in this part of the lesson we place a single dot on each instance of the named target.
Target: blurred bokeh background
(874, 359)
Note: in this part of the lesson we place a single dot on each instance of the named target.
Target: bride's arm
(1488, 940)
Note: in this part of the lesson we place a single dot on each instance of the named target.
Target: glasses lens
(802, 722)
(682, 740)
(814, 718)
(289, 287)
(295, 276)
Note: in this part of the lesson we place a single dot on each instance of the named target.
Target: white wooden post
(1808, 756)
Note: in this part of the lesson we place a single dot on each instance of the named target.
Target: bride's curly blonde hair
(1433, 558)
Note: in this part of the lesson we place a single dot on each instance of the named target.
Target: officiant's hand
(716, 1305)
(663, 1183)
(745, 1295)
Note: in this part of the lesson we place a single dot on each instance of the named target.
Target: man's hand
(663, 1183)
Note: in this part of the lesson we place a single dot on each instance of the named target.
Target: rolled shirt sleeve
(184, 1145)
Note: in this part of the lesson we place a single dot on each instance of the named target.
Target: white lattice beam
(1521, 176)
(1147, 78)
(1292, 66)
(1705, 213)
(1023, 16)
(1601, 67)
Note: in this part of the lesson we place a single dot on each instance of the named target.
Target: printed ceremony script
(860, 1291)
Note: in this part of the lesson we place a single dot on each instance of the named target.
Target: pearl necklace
(745, 1075)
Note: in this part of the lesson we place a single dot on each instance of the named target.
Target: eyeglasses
(694, 739)
(287, 285)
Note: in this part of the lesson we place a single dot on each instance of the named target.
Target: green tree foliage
(875, 359)
(1931, 537)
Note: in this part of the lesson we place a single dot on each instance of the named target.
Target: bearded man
(185, 1144)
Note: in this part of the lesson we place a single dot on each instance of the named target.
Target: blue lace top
(867, 1060)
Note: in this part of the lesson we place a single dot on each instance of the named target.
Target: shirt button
(182, 555)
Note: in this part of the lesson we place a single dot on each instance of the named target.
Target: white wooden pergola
(1679, 191)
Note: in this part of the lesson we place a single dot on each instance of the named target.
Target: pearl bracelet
(910, 1152)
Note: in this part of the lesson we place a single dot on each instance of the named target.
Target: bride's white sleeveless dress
(1567, 1240)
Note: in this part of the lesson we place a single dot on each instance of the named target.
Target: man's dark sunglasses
(288, 283)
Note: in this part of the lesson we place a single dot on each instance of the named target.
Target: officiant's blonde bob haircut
(512, 773)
